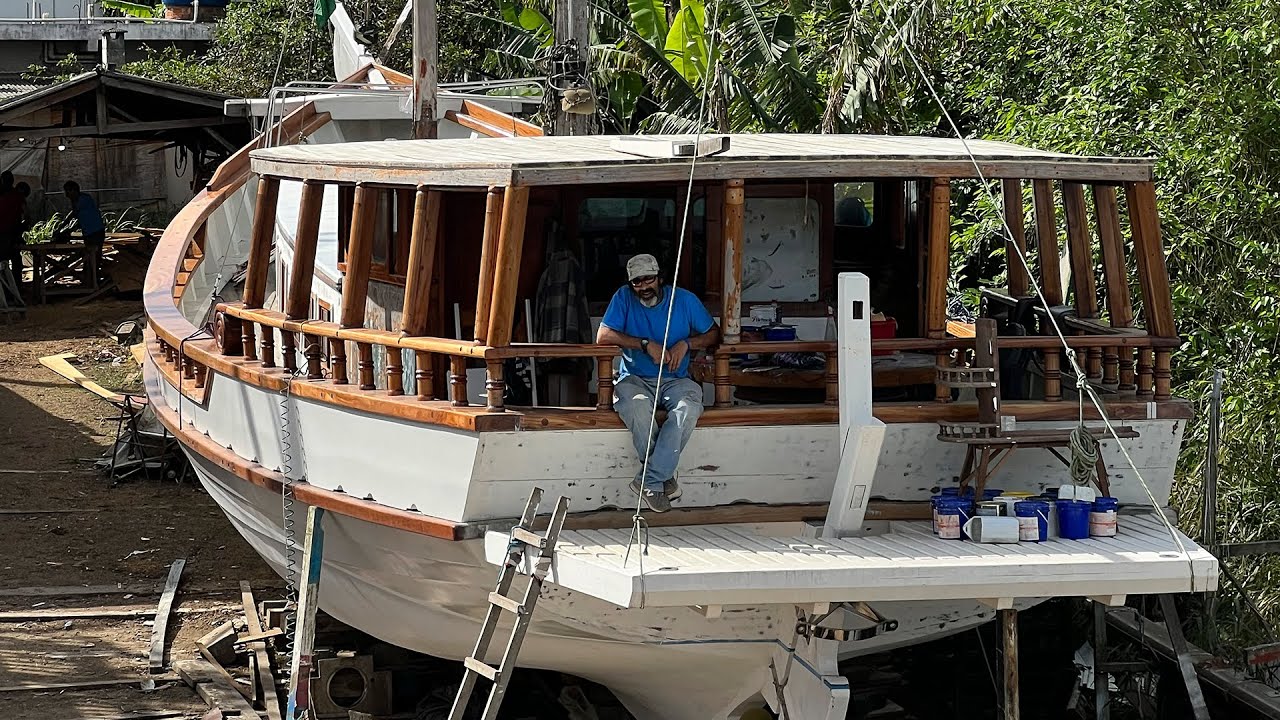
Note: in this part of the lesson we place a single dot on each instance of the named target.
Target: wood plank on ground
(74, 685)
(266, 679)
(73, 614)
(59, 364)
(214, 687)
(73, 590)
(158, 630)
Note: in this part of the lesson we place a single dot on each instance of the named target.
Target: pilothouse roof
(481, 162)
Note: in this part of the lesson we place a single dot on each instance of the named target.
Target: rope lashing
(1084, 456)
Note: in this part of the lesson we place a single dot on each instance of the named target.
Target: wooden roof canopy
(531, 161)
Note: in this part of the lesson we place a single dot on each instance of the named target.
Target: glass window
(855, 204)
(613, 229)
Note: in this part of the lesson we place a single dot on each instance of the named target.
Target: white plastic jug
(992, 529)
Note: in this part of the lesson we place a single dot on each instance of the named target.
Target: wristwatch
(644, 344)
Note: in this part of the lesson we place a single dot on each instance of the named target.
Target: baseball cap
(641, 266)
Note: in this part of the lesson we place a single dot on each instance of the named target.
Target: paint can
(1073, 519)
(946, 492)
(988, 509)
(992, 529)
(991, 493)
(1033, 520)
(1008, 503)
(1104, 519)
(953, 513)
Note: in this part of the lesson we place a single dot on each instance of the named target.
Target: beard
(649, 297)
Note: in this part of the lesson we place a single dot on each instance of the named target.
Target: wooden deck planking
(724, 565)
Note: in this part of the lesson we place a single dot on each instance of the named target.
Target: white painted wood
(909, 563)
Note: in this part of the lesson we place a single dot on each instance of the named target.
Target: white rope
(1082, 380)
(639, 527)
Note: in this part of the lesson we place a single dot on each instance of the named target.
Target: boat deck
(720, 565)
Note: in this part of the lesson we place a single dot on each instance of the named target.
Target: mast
(572, 20)
(425, 62)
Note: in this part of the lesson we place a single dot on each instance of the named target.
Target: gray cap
(641, 266)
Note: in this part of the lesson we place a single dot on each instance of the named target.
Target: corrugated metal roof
(13, 90)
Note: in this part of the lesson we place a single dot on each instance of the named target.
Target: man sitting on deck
(636, 321)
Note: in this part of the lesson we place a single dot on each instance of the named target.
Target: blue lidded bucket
(953, 513)
(1073, 519)
(1033, 520)
(1103, 517)
(991, 493)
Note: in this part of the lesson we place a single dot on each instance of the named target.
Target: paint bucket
(953, 513)
(1073, 519)
(1009, 502)
(1033, 520)
(1103, 519)
(988, 509)
(1083, 493)
(991, 493)
(992, 529)
(946, 492)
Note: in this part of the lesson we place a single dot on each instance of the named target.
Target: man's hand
(676, 354)
(655, 352)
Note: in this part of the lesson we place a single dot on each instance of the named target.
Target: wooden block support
(507, 268)
(488, 258)
(422, 255)
(298, 299)
(733, 238)
(263, 233)
(1017, 250)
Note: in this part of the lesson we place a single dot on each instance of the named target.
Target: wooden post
(488, 256)
(495, 386)
(458, 381)
(1047, 238)
(604, 382)
(338, 360)
(365, 365)
(1117, 363)
(425, 72)
(304, 634)
(1157, 305)
(395, 371)
(832, 378)
(1146, 368)
(1012, 709)
(507, 268)
(422, 256)
(1052, 374)
(938, 272)
(732, 237)
(1017, 250)
(355, 286)
(1083, 284)
(298, 302)
(1163, 379)
(268, 346)
(230, 332)
(289, 351)
(313, 354)
(422, 375)
(572, 20)
(263, 234)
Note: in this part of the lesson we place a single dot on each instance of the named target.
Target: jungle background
(1193, 84)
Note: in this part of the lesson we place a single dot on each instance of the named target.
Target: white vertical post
(861, 434)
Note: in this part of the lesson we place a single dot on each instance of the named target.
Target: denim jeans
(633, 399)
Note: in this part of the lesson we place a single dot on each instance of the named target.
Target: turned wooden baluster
(724, 388)
(604, 382)
(248, 341)
(1117, 363)
(188, 369)
(1146, 367)
(1163, 375)
(495, 386)
(422, 375)
(832, 378)
(289, 351)
(365, 365)
(1052, 375)
(395, 371)
(314, 355)
(458, 381)
(338, 360)
(231, 334)
(201, 375)
(268, 346)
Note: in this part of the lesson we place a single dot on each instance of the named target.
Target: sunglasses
(644, 280)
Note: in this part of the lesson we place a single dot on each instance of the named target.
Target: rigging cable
(1082, 380)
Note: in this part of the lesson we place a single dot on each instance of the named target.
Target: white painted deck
(717, 565)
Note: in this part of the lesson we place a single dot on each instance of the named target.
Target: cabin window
(613, 229)
(855, 204)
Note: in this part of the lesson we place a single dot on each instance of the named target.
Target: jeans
(633, 399)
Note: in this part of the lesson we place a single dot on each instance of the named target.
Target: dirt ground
(63, 525)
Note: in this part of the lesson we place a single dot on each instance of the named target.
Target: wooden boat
(364, 363)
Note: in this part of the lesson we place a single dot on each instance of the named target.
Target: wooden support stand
(1009, 619)
(305, 627)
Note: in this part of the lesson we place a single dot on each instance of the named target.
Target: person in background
(86, 214)
(636, 321)
(11, 217)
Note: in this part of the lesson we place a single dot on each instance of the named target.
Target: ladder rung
(480, 668)
(506, 603)
(527, 537)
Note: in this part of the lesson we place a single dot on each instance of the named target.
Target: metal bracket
(808, 627)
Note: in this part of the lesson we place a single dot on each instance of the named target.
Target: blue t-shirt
(627, 314)
(88, 215)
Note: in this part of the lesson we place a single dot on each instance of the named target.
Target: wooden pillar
(1047, 238)
(425, 74)
(1012, 709)
(1117, 362)
(1015, 251)
(263, 234)
(355, 286)
(733, 239)
(572, 20)
(1083, 284)
(507, 268)
(1157, 301)
(938, 271)
(422, 255)
(488, 256)
(298, 301)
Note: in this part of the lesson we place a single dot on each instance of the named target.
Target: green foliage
(48, 230)
(61, 71)
(133, 9)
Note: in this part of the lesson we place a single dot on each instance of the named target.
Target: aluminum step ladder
(522, 538)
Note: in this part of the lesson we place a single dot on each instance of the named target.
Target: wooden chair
(987, 443)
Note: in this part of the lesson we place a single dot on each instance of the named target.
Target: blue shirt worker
(91, 227)
(636, 321)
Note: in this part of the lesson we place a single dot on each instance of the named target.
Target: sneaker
(670, 488)
(656, 501)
